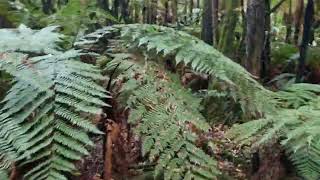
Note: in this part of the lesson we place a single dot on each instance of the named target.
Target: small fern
(42, 118)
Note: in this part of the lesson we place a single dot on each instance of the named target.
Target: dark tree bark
(308, 18)
(47, 6)
(298, 21)
(265, 68)
(288, 22)
(256, 13)
(125, 10)
(207, 33)
(4, 23)
(215, 22)
(115, 8)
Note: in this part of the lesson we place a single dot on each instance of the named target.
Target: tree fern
(42, 118)
(156, 40)
(289, 115)
(296, 124)
(164, 114)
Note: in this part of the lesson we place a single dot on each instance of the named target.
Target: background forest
(159, 89)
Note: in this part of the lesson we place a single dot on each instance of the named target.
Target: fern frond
(43, 41)
(44, 115)
(157, 40)
(296, 124)
(164, 114)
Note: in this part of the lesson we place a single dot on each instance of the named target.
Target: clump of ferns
(160, 114)
(183, 48)
(295, 125)
(46, 115)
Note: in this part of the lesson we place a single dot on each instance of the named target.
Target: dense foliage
(159, 89)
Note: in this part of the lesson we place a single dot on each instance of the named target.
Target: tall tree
(207, 33)
(298, 18)
(242, 48)
(308, 18)
(256, 12)
(230, 19)
(191, 8)
(125, 10)
(215, 22)
(287, 16)
(115, 8)
(265, 56)
(174, 7)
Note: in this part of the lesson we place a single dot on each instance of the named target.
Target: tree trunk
(166, 13)
(265, 69)
(226, 41)
(242, 47)
(153, 11)
(191, 8)
(298, 21)
(256, 13)
(215, 22)
(288, 22)
(185, 12)
(206, 34)
(136, 13)
(115, 7)
(4, 23)
(125, 10)
(145, 12)
(47, 6)
(308, 18)
(174, 6)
